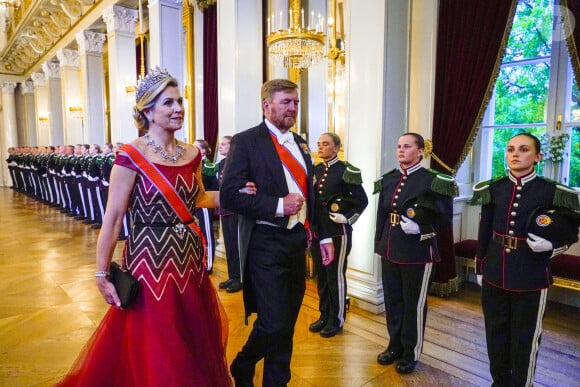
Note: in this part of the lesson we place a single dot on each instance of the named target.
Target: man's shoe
(330, 330)
(242, 378)
(235, 286)
(96, 226)
(406, 366)
(225, 284)
(388, 357)
(317, 325)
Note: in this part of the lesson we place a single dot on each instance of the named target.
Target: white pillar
(376, 70)
(166, 42)
(422, 66)
(72, 91)
(29, 113)
(55, 108)
(240, 65)
(43, 116)
(10, 132)
(122, 60)
(9, 114)
(91, 45)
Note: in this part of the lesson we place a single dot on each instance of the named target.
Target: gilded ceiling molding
(204, 4)
(72, 8)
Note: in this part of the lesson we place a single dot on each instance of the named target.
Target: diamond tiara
(155, 76)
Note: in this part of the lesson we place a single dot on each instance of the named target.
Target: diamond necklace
(162, 152)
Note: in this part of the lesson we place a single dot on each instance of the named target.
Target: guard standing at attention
(339, 201)
(525, 221)
(414, 203)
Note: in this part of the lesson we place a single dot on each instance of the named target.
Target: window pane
(521, 93)
(531, 34)
(500, 141)
(575, 158)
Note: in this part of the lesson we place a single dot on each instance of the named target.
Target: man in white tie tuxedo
(273, 230)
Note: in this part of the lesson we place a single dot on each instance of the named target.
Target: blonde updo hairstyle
(149, 91)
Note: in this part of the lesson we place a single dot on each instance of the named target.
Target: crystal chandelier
(299, 46)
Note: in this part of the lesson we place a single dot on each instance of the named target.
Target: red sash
(166, 189)
(295, 168)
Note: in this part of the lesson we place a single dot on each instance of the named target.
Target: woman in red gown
(174, 334)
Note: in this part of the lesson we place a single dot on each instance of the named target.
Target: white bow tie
(286, 138)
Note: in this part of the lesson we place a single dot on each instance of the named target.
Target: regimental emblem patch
(410, 212)
(543, 220)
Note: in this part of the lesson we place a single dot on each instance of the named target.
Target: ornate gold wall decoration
(203, 4)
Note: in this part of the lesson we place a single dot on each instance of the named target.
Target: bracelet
(101, 274)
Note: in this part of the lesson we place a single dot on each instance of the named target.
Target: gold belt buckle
(512, 242)
(394, 218)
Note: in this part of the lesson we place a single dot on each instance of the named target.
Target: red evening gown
(175, 333)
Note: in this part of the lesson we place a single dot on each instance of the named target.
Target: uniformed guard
(93, 176)
(513, 257)
(405, 240)
(205, 215)
(339, 201)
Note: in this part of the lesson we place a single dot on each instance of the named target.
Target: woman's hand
(409, 226)
(538, 244)
(337, 218)
(108, 291)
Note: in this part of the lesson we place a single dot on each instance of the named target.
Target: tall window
(535, 92)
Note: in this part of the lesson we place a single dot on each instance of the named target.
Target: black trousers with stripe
(331, 280)
(405, 288)
(513, 330)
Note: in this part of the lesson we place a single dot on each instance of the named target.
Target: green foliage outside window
(521, 91)
(575, 158)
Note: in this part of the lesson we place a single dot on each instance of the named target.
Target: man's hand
(479, 278)
(337, 218)
(408, 226)
(538, 244)
(249, 189)
(293, 203)
(327, 253)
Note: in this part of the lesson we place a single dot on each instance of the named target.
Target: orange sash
(166, 189)
(296, 171)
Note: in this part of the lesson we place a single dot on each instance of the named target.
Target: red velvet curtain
(471, 41)
(572, 30)
(210, 77)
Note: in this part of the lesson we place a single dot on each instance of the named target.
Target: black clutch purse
(126, 285)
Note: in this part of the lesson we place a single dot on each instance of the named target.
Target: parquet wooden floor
(50, 306)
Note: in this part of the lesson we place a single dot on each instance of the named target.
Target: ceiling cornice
(42, 28)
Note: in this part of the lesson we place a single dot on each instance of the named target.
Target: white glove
(337, 218)
(408, 226)
(538, 244)
(479, 279)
